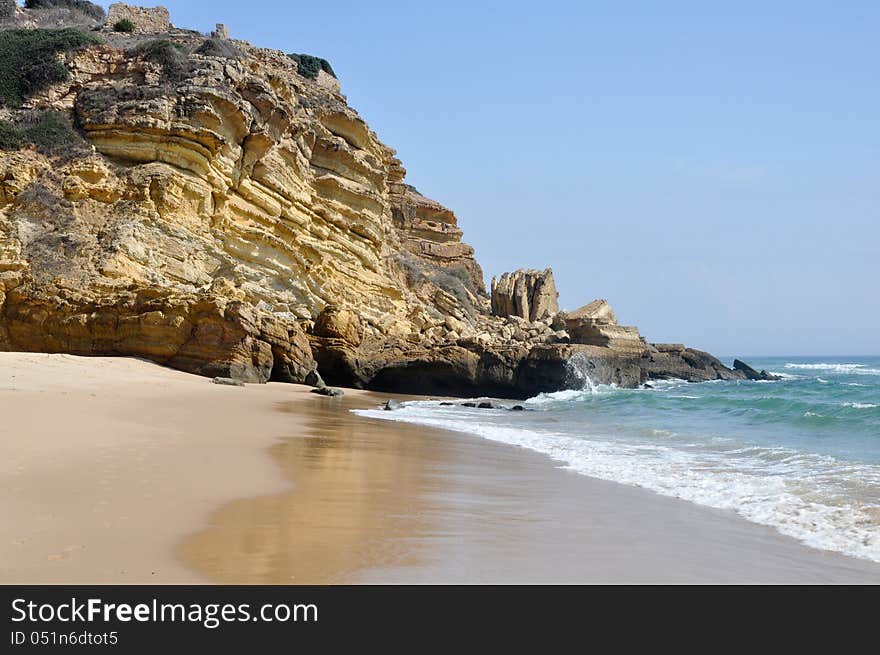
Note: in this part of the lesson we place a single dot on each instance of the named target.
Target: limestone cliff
(227, 213)
(224, 202)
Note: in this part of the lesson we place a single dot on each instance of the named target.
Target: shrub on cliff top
(45, 129)
(29, 60)
(125, 26)
(218, 48)
(10, 137)
(90, 9)
(309, 66)
(171, 56)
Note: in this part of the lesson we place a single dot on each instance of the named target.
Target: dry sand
(119, 471)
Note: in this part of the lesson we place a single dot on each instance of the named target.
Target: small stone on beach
(228, 382)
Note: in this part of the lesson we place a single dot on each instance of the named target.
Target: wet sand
(118, 471)
(387, 502)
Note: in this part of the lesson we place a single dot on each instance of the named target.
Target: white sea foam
(569, 395)
(861, 405)
(859, 369)
(787, 376)
(797, 493)
(826, 367)
(663, 385)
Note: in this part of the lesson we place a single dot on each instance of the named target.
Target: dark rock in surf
(752, 374)
(327, 391)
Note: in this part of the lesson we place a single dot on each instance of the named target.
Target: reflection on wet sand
(359, 488)
(387, 502)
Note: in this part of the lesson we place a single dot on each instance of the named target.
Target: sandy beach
(120, 471)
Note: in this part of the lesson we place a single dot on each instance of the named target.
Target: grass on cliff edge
(171, 56)
(29, 60)
(86, 7)
(46, 130)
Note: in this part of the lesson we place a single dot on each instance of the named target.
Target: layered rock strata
(232, 216)
(529, 294)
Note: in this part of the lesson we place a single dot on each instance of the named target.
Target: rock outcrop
(596, 325)
(8, 8)
(212, 181)
(528, 294)
(227, 213)
(752, 374)
(145, 20)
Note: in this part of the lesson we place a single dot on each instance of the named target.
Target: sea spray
(800, 455)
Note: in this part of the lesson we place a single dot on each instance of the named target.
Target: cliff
(220, 208)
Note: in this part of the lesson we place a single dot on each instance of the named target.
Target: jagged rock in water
(752, 374)
(526, 293)
(685, 364)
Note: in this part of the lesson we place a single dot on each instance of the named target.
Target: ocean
(801, 455)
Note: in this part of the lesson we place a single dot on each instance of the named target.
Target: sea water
(801, 454)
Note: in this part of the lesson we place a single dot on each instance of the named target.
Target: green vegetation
(29, 60)
(310, 66)
(10, 137)
(124, 25)
(85, 7)
(45, 129)
(171, 56)
(218, 48)
(455, 280)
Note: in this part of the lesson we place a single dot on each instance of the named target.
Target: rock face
(8, 8)
(430, 231)
(221, 207)
(596, 325)
(230, 215)
(751, 373)
(528, 294)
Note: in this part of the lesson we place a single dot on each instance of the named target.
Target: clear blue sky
(712, 169)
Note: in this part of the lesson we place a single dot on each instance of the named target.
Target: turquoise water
(801, 454)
